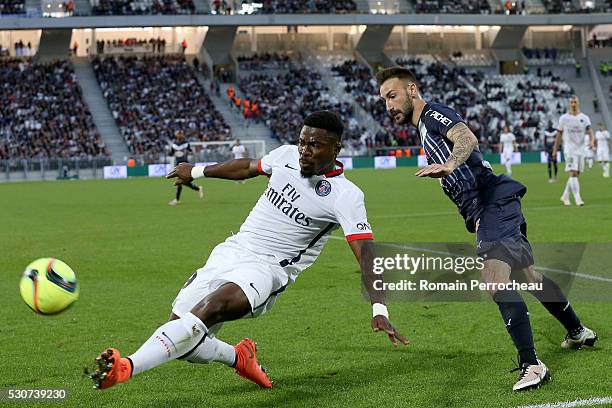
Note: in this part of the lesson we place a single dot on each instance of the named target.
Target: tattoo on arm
(464, 142)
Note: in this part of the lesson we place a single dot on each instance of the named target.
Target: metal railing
(55, 168)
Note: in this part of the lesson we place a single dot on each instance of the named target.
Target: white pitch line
(449, 213)
(561, 271)
(570, 404)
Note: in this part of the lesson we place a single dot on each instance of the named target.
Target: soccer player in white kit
(240, 152)
(307, 198)
(572, 127)
(507, 143)
(602, 140)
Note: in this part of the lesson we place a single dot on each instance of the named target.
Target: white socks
(567, 189)
(213, 349)
(508, 168)
(606, 169)
(574, 186)
(170, 341)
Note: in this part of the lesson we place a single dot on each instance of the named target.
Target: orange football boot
(247, 365)
(110, 369)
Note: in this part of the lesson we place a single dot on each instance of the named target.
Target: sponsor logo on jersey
(285, 201)
(323, 188)
(363, 226)
(439, 117)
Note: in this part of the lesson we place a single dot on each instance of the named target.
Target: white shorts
(574, 162)
(261, 279)
(507, 156)
(589, 154)
(603, 155)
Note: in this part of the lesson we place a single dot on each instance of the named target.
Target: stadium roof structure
(23, 23)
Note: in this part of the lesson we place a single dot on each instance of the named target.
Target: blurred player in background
(307, 198)
(602, 139)
(179, 151)
(507, 145)
(240, 152)
(589, 152)
(491, 208)
(572, 128)
(550, 134)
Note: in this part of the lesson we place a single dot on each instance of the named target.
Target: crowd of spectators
(286, 99)
(43, 114)
(12, 7)
(308, 6)
(153, 45)
(521, 102)
(22, 49)
(142, 7)
(153, 97)
(536, 53)
(263, 61)
(452, 7)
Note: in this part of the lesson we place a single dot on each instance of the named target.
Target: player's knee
(211, 310)
(530, 275)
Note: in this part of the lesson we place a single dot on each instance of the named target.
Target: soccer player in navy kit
(491, 208)
(179, 151)
(550, 135)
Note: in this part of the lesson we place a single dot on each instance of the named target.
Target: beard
(404, 115)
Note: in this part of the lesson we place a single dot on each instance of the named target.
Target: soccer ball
(48, 286)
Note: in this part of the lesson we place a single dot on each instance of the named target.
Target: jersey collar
(336, 172)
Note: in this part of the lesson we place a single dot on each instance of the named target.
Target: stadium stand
(140, 7)
(43, 113)
(263, 61)
(548, 56)
(308, 6)
(284, 101)
(153, 97)
(12, 7)
(452, 7)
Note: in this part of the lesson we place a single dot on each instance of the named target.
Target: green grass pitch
(132, 252)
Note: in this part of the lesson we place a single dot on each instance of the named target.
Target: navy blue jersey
(471, 185)
(550, 135)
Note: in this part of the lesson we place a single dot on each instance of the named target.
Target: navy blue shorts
(502, 233)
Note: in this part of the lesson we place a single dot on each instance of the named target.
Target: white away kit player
(571, 128)
(602, 140)
(507, 142)
(307, 197)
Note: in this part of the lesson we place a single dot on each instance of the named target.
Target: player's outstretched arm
(364, 252)
(464, 142)
(237, 169)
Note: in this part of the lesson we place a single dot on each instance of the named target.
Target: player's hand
(381, 323)
(435, 171)
(182, 173)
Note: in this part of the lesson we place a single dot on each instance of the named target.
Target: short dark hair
(395, 72)
(325, 120)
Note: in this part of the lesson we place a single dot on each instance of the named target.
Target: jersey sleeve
(273, 159)
(561, 123)
(440, 119)
(350, 213)
(588, 122)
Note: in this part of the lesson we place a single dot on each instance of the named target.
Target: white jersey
(507, 140)
(573, 128)
(239, 152)
(294, 217)
(603, 145)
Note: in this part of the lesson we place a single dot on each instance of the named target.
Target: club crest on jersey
(323, 188)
